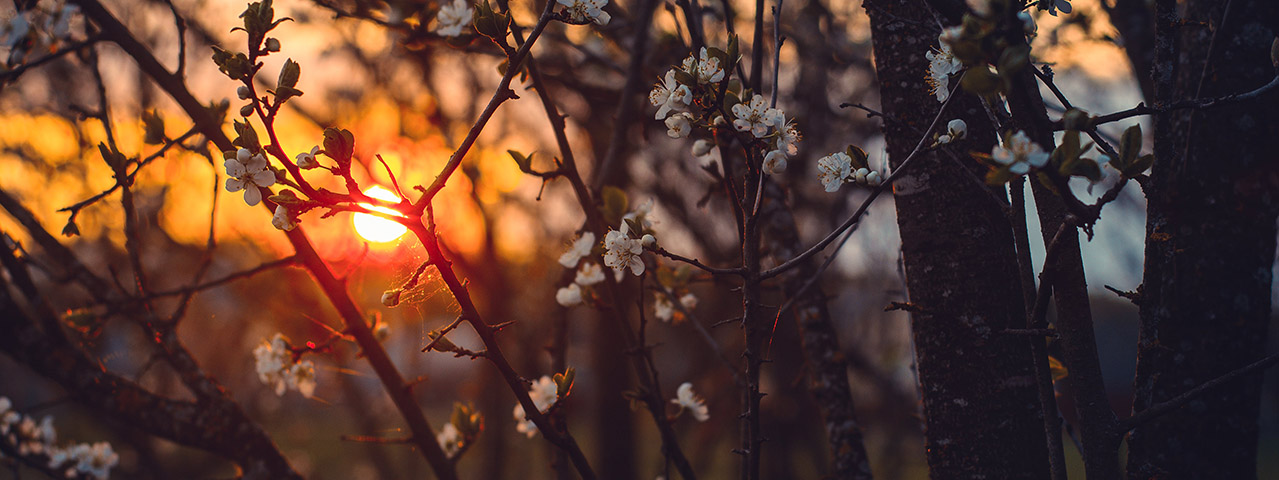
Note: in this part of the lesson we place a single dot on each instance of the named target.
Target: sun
(374, 228)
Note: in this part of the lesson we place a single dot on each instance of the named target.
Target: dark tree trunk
(827, 369)
(1210, 241)
(980, 398)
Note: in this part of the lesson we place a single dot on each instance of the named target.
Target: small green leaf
(981, 81)
(248, 137)
(564, 382)
(1129, 146)
(684, 78)
(339, 145)
(615, 204)
(153, 124)
(524, 162)
(859, 157)
(289, 74)
(1138, 166)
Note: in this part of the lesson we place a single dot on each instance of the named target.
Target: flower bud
(243, 92)
(272, 45)
(391, 298)
(381, 331)
(648, 240)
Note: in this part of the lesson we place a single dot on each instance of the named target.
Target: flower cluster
(279, 368)
(453, 18)
(665, 310)
(1019, 154)
(670, 95)
(248, 172)
(835, 169)
(955, 130)
(544, 393)
(687, 400)
(29, 438)
(941, 65)
(586, 11)
(588, 274)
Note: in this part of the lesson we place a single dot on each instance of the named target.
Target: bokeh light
(374, 228)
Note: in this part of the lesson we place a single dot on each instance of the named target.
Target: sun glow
(377, 229)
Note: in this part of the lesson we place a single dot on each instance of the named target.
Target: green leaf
(859, 157)
(289, 75)
(1140, 165)
(153, 124)
(981, 81)
(615, 205)
(733, 50)
(999, 176)
(524, 162)
(564, 382)
(1129, 147)
(684, 78)
(1067, 153)
(443, 344)
(248, 137)
(339, 145)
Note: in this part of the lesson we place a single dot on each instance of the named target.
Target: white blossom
(450, 440)
(686, 399)
(453, 18)
(942, 64)
(589, 274)
(705, 68)
(678, 126)
(581, 248)
(775, 162)
(95, 460)
(544, 392)
(688, 300)
(272, 359)
(833, 169)
(302, 378)
(1019, 154)
(955, 130)
(788, 140)
(663, 309)
(586, 10)
(669, 95)
(756, 116)
(621, 251)
(282, 220)
(248, 172)
(306, 160)
(569, 296)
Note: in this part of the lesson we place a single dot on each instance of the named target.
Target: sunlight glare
(377, 229)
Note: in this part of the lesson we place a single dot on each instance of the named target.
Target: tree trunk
(980, 400)
(1210, 242)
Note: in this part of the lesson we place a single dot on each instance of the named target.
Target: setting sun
(377, 229)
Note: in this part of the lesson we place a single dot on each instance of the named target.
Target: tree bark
(827, 369)
(983, 416)
(1210, 241)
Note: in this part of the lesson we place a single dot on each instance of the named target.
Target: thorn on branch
(1133, 296)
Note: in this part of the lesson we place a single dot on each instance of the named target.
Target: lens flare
(374, 228)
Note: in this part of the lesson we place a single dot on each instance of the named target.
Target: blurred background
(410, 97)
